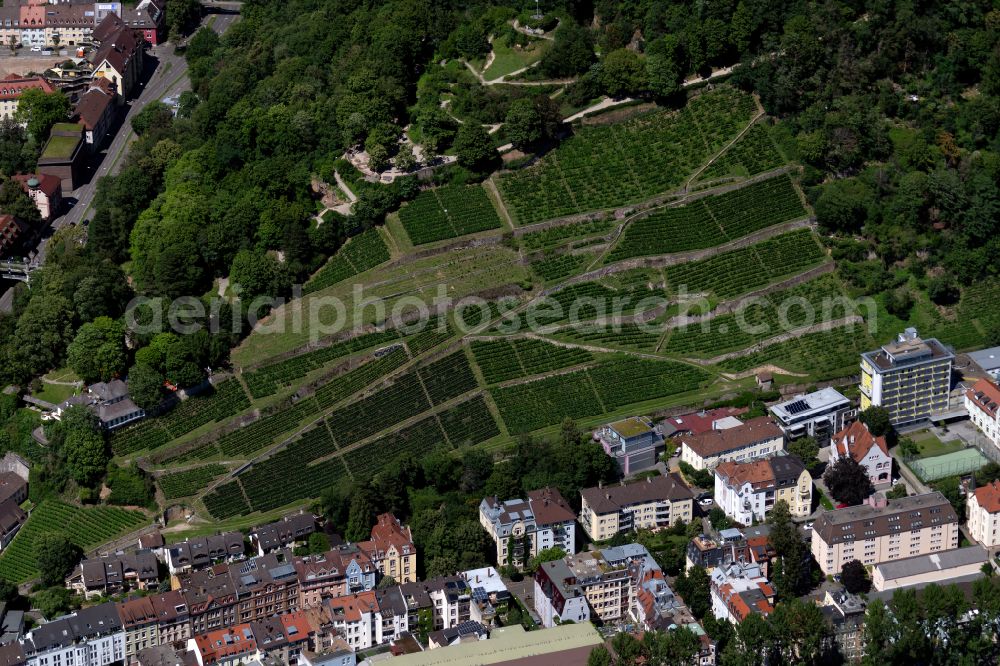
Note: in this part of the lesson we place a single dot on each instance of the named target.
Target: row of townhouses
(37, 23)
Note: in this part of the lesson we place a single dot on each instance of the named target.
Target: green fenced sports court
(950, 464)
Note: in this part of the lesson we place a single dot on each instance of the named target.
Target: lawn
(929, 444)
(60, 147)
(510, 59)
(55, 393)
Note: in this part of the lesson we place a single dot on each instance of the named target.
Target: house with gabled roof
(757, 438)
(119, 59)
(284, 533)
(652, 503)
(335, 573)
(739, 590)
(748, 491)
(982, 401)
(871, 452)
(983, 511)
(523, 528)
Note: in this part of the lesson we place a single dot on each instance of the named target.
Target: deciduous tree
(848, 481)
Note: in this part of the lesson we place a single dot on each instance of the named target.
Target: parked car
(36, 49)
(708, 501)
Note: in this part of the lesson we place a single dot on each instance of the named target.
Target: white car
(36, 49)
(708, 501)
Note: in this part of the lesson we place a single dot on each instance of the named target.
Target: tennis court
(950, 464)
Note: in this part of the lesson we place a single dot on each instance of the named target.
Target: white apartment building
(90, 637)
(748, 491)
(884, 530)
(521, 529)
(756, 438)
(818, 414)
(910, 378)
(982, 401)
(983, 514)
(656, 502)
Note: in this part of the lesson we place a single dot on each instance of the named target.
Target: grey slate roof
(941, 561)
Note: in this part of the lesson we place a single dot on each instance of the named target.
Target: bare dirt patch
(27, 62)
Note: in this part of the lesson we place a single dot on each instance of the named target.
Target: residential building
(748, 491)
(869, 451)
(63, 155)
(982, 510)
(68, 24)
(818, 414)
(490, 596)
(12, 516)
(265, 586)
(12, 462)
(32, 18)
(147, 20)
(11, 87)
(740, 589)
(619, 584)
(12, 654)
(113, 574)
(96, 112)
(845, 615)
(697, 423)
(756, 438)
(910, 378)
(391, 549)
(354, 618)
(733, 545)
(224, 647)
(282, 639)
(119, 59)
(160, 655)
(521, 529)
(338, 572)
(210, 597)
(941, 568)
(282, 534)
(466, 632)
(11, 624)
(982, 401)
(89, 637)
(634, 443)
(158, 619)
(988, 361)
(13, 487)
(113, 405)
(44, 190)
(201, 552)
(655, 502)
(883, 530)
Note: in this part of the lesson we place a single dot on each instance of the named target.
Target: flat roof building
(988, 360)
(818, 414)
(931, 568)
(910, 378)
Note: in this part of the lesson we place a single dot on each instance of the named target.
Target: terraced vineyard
(476, 315)
(448, 377)
(754, 153)
(537, 240)
(821, 355)
(711, 221)
(583, 302)
(227, 501)
(503, 360)
(557, 266)
(86, 527)
(612, 165)
(628, 336)
(361, 253)
(469, 423)
(190, 482)
(740, 271)
(545, 402)
(810, 303)
(448, 212)
(226, 400)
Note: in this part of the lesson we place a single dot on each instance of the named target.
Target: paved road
(168, 79)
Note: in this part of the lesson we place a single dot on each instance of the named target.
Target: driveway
(525, 591)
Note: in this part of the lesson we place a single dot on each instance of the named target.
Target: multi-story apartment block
(11, 87)
(748, 491)
(871, 452)
(89, 637)
(982, 401)
(749, 545)
(756, 438)
(881, 531)
(983, 513)
(656, 502)
(284, 533)
(818, 414)
(391, 549)
(619, 584)
(338, 572)
(523, 528)
(490, 596)
(633, 443)
(845, 616)
(910, 378)
(740, 589)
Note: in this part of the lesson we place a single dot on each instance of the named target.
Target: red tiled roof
(857, 441)
(988, 497)
(12, 85)
(388, 531)
(215, 646)
(986, 395)
(350, 608)
(700, 422)
(47, 183)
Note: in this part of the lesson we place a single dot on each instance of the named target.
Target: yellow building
(657, 502)
(392, 550)
(748, 491)
(910, 378)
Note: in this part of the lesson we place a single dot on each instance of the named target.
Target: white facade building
(90, 637)
(523, 528)
(982, 402)
(818, 414)
(869, 451)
